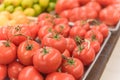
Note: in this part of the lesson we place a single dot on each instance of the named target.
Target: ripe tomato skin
(82, 2)
(14, 69)
(59, 76)
(26, 50)
(16, 33)
(3, 72)
(103, 28)
(3, 33)
(7, 52)
(94, 35)
(105, 2)
(62, 29)
(82, 23)
(74, 68)
(29, 73)
(44, 31)
(55, 40)
(70, 44)
(94, 5)
(65, 14)
(60, 21)
(77, 31)
(67, 5)
(66, 53)
(110, 19)
(85, 54)
(47, 59)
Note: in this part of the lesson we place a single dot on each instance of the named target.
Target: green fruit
(51, 6)
(44, 3)
(19, 8)
(10, 8)
(53, 0)
(16, 2)
(2, 7)
(29, 12)
(36, 1)
(27, 3)
(7, 2)
(37, 9)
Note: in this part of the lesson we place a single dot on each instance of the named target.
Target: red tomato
(29, 73)
(65, 14)
(7, 52)
(94, 5)
(60, 21)
(62, 29)
(26, 51)
(66, 53)
(67, 5)
(70, 44)
(94, 35)
(85, 54)
(45, 16)
(74, 67)
(47, 59)
(18, 34)
(3, 33)
(83, 1)
(103, 28)
(77, 31)
(3, 72)
(14, 69)
(105, 3)
(83, 24)
(44, 31)
(59, 76)
(109, 16)
(55, 40)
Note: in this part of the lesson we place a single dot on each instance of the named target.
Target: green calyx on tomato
(7, 43)
(29, 47)
(56, 36)
(80, 48)
(45, 51)
(93, 37)
(69, 61)
(18, 28)
(78, 40)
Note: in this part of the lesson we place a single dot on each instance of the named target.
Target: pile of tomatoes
(49, 49)
(107, 11)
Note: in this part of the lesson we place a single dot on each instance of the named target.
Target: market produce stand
(101, 62)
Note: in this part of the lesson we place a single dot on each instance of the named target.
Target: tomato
(83, 24)
(44, 31)
(26, 51)
(59, 76)
(110, 19)
(29, 73)
(34, 28)
(94, 35)
(105, 3)
(14, 69)
(47, 59)
(18, 34)
(66, 53)
(103, 28)
(77, 31)
(67, 5)
(60, 21)
(83, 1)
(45, 16)
(65, 14)
(3, 72)
(62, 29)
(70, 44)
(55, 40)
(94, 5)
(3, 33)
(74, 67)
(85, 54)
(7, 52)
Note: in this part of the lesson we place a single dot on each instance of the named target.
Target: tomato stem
(7, 43)
(29, 47)
(78, 40)
(45, 50)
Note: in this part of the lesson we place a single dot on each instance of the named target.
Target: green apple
(16, 2)
(27, 3)
(29, 12)
(36, 1)
(10, 8)
(7, 2)
(2, 7)
(19, 8)
(37, 9)
(44, 3)
(51, 6)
